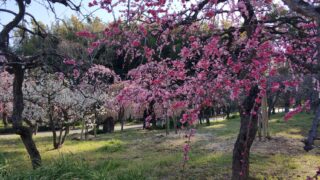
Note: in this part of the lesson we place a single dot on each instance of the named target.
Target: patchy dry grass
(140, 154)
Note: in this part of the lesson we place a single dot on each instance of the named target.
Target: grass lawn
(139, 154)
(1, 124)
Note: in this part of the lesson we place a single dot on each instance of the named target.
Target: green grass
(139, 154)
(1, 124)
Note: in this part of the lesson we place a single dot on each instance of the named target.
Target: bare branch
(304, 8)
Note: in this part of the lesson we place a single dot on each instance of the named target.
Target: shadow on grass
(296, 127)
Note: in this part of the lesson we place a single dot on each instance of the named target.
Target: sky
(43, 14)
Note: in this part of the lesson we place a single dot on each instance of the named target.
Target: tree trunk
(35, 131)
(95, 122)
(207, 121)
(149, 112)
(265, 118)
(52, 124)
(108, 125)
(18, 106)
(86, 134)
(272, 102)
(207, 115)
(82, 128)
(121, 117)
(167, 125)
(144, 119)
(228, 109)
(5, 119)
(26, 137)
(66, 132)
(122, 124)
(313, 131)
(58, 143)
(54, 137)
(175, 124)
(248, 130)
(287, 102)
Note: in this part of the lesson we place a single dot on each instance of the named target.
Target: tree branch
(304, 8)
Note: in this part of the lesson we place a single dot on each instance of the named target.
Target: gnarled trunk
(18, 106)
(63, 131)
(108, 125)
(248, 130)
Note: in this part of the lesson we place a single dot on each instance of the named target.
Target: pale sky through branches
(42, 12)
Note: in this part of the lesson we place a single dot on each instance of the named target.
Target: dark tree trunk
(144, 119)
(207, 121)
(52, 124)
(5, 119)
(248, 130)
(175, 125)
(108, 125)
(313, 131)
(18, 106)
(228, 109)
(167, 125)
(272, 102)
(64, 130)
(149, 112)
(121, 117)
(200, 117)
(207, 112)
(122, 124)
(287, 102)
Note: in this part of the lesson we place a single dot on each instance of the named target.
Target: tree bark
(52, 124)
(167, 125)
(149, 112)
(313, 131)
(272, 102)
(82, 128)
(108, 125)
(95, 123)
(175, 124)
(201, 116)
(287, 102)
(5, 119)
(248, 130)
(207, 113)
(18, 107)
(121, 117)
(265, 118)
(228, 109)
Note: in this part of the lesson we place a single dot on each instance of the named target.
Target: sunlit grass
(141, 154)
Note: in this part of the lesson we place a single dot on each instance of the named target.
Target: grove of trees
(161, 61)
